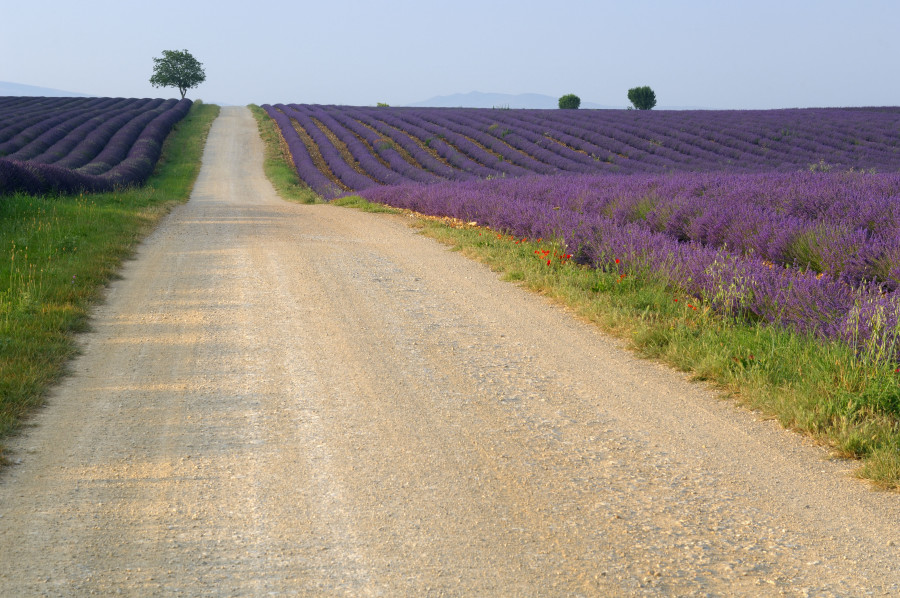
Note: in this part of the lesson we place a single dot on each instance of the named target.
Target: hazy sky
(714, 54)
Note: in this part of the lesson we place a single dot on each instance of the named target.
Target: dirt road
(308, 400)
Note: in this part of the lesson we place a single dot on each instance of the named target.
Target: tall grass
(58, 252)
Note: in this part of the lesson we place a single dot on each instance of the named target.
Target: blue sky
(713, 54)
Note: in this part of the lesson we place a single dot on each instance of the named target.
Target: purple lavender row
(303, 162)
(131, 166)
(408, 142)
(846, 137)
(519, 133)
(660, 149)
(117, 146)
(455, 149)
(369, 163)
(461, 123)
(745, 286)
(82, 144)
(470, 149)
(20, 112)
(538, 123)
(144, 153)
(343, 171)
(382, 147)
(20, 122)
(58, 141)
(15, 137)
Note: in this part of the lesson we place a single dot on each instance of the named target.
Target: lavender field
(782, 216)
(340, 148)
(69, 145)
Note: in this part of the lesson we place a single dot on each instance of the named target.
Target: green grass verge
(277, 162)
(815, 387)
(58, 252)
(819, 388)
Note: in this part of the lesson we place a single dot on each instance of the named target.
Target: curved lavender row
(88, 146)
(522, 136)
(27, 111)
(793, 137)
(434, 137)
(369, 163)
(388, 154)
(117, 146)
(56, 143)
(740, 285)
(343, 171)
(620, 152)
(36, 116)
(20, 105)
(383, 146)
(44, 135)
(538, 123)
(698, 151)
(407, 140)
(37, 179)
(73, 150)
(648, 147)
(303, 163)
(40, 124)
(461, 122)
(133, 167)
(472, 150)
(144, 153)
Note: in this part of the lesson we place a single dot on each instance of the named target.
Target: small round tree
(570, 101)
(177, 69)
(643, 98)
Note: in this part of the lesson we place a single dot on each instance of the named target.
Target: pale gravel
(280, 399)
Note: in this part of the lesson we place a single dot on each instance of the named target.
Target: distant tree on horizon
(642, 98)
(177, 69)
(570, 101)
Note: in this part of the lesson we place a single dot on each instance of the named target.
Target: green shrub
(570, 101)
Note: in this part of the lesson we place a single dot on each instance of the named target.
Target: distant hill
(18, 89)
(477, 99)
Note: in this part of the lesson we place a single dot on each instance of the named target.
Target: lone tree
(177, 69)
(643, 98)
(570, 101)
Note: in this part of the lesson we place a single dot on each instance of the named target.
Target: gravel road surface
(280, 399)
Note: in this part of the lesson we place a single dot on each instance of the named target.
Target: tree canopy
(569, 101)
(177, 69)
(643, 98)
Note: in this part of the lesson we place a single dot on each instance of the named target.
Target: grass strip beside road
(820, 388)
(57, 253)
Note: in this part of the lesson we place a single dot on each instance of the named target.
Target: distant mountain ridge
(18, 89)
(477, 99)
